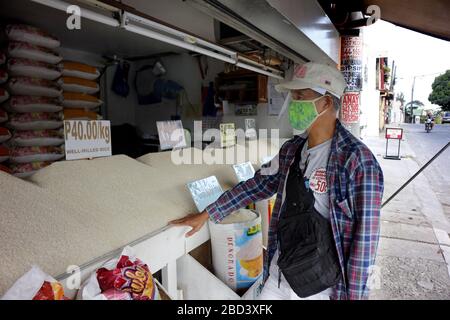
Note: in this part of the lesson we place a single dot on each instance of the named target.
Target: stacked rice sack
(35, 115)
(5, 134)
(80, 91)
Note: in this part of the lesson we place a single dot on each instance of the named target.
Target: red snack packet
(50, 291)
(134, 278)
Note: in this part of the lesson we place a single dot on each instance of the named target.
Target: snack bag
(35, 285)
(125, 278)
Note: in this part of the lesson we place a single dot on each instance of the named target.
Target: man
(341, 178)
(431, 117)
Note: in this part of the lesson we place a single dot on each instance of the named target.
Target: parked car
(446, 117)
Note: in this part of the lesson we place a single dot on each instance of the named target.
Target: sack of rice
(4, 153)
(35, 154)
(35, 285)
(3, 76)
(19, 67)
(35, 121)
(3, 116)
(24, 104)
(5, 135)
(123, 278)
(25, 170)
(79, 70)
(32, 35)
(4, 95)
(37, 138)
(28, 51)
(33, 87)
(5, 169)
(78, 85)
(80, 100)
(80, 114)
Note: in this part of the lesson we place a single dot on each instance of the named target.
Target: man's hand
(194, 220)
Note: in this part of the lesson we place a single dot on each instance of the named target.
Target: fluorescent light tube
(85, 13)
(258, 70)
(179, 33)
(176, 42)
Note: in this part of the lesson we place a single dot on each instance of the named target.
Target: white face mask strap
(286, 103)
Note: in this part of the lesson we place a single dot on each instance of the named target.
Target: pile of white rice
(75, 211)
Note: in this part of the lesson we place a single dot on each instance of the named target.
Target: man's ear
(328, 102)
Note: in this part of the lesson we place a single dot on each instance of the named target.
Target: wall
(370, 97)
(184, 70)
(120, 110)
(263, 121)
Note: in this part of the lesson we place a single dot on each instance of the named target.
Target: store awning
(429, 17)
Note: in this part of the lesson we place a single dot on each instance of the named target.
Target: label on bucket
(249, 256)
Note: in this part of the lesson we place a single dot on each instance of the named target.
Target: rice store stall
(72, 223)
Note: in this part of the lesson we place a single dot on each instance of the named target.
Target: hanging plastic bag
(122, 278)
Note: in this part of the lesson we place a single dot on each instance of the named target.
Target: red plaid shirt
(356, 189)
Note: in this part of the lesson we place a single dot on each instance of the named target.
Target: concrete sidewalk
(413, 259)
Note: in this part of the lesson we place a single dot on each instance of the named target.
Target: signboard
(205, 191)
(171, 134)
(250, 128)
(244, 171)
(246, 110)
(350, 107)
(351, 62)
(394, 133)
(87, 139)
(227, 135)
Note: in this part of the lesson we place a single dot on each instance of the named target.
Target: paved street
(413, 260)
(425, 145)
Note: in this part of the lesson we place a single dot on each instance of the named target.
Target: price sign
(394, 133)
(205, 191)
(227, 135)
(87, 139)
(244, 171)
(171, 134)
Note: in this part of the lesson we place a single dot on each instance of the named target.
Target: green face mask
(302, 113)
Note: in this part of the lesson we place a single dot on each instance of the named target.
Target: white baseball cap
(316, 76)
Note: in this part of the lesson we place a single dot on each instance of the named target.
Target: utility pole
(412, 99)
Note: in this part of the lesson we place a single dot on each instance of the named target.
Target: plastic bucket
(237, 252)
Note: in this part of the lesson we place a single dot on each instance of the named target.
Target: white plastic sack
(18, 67)
(24, 104)
(27, 286)
(78, 85)
(28, 51)
(90, 290)
(32, 35)
(33, 87)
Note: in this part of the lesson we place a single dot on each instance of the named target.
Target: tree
(441, 91)
(400, 97)
(415, 104)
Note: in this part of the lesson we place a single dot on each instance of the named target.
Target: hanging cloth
(120, 82)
